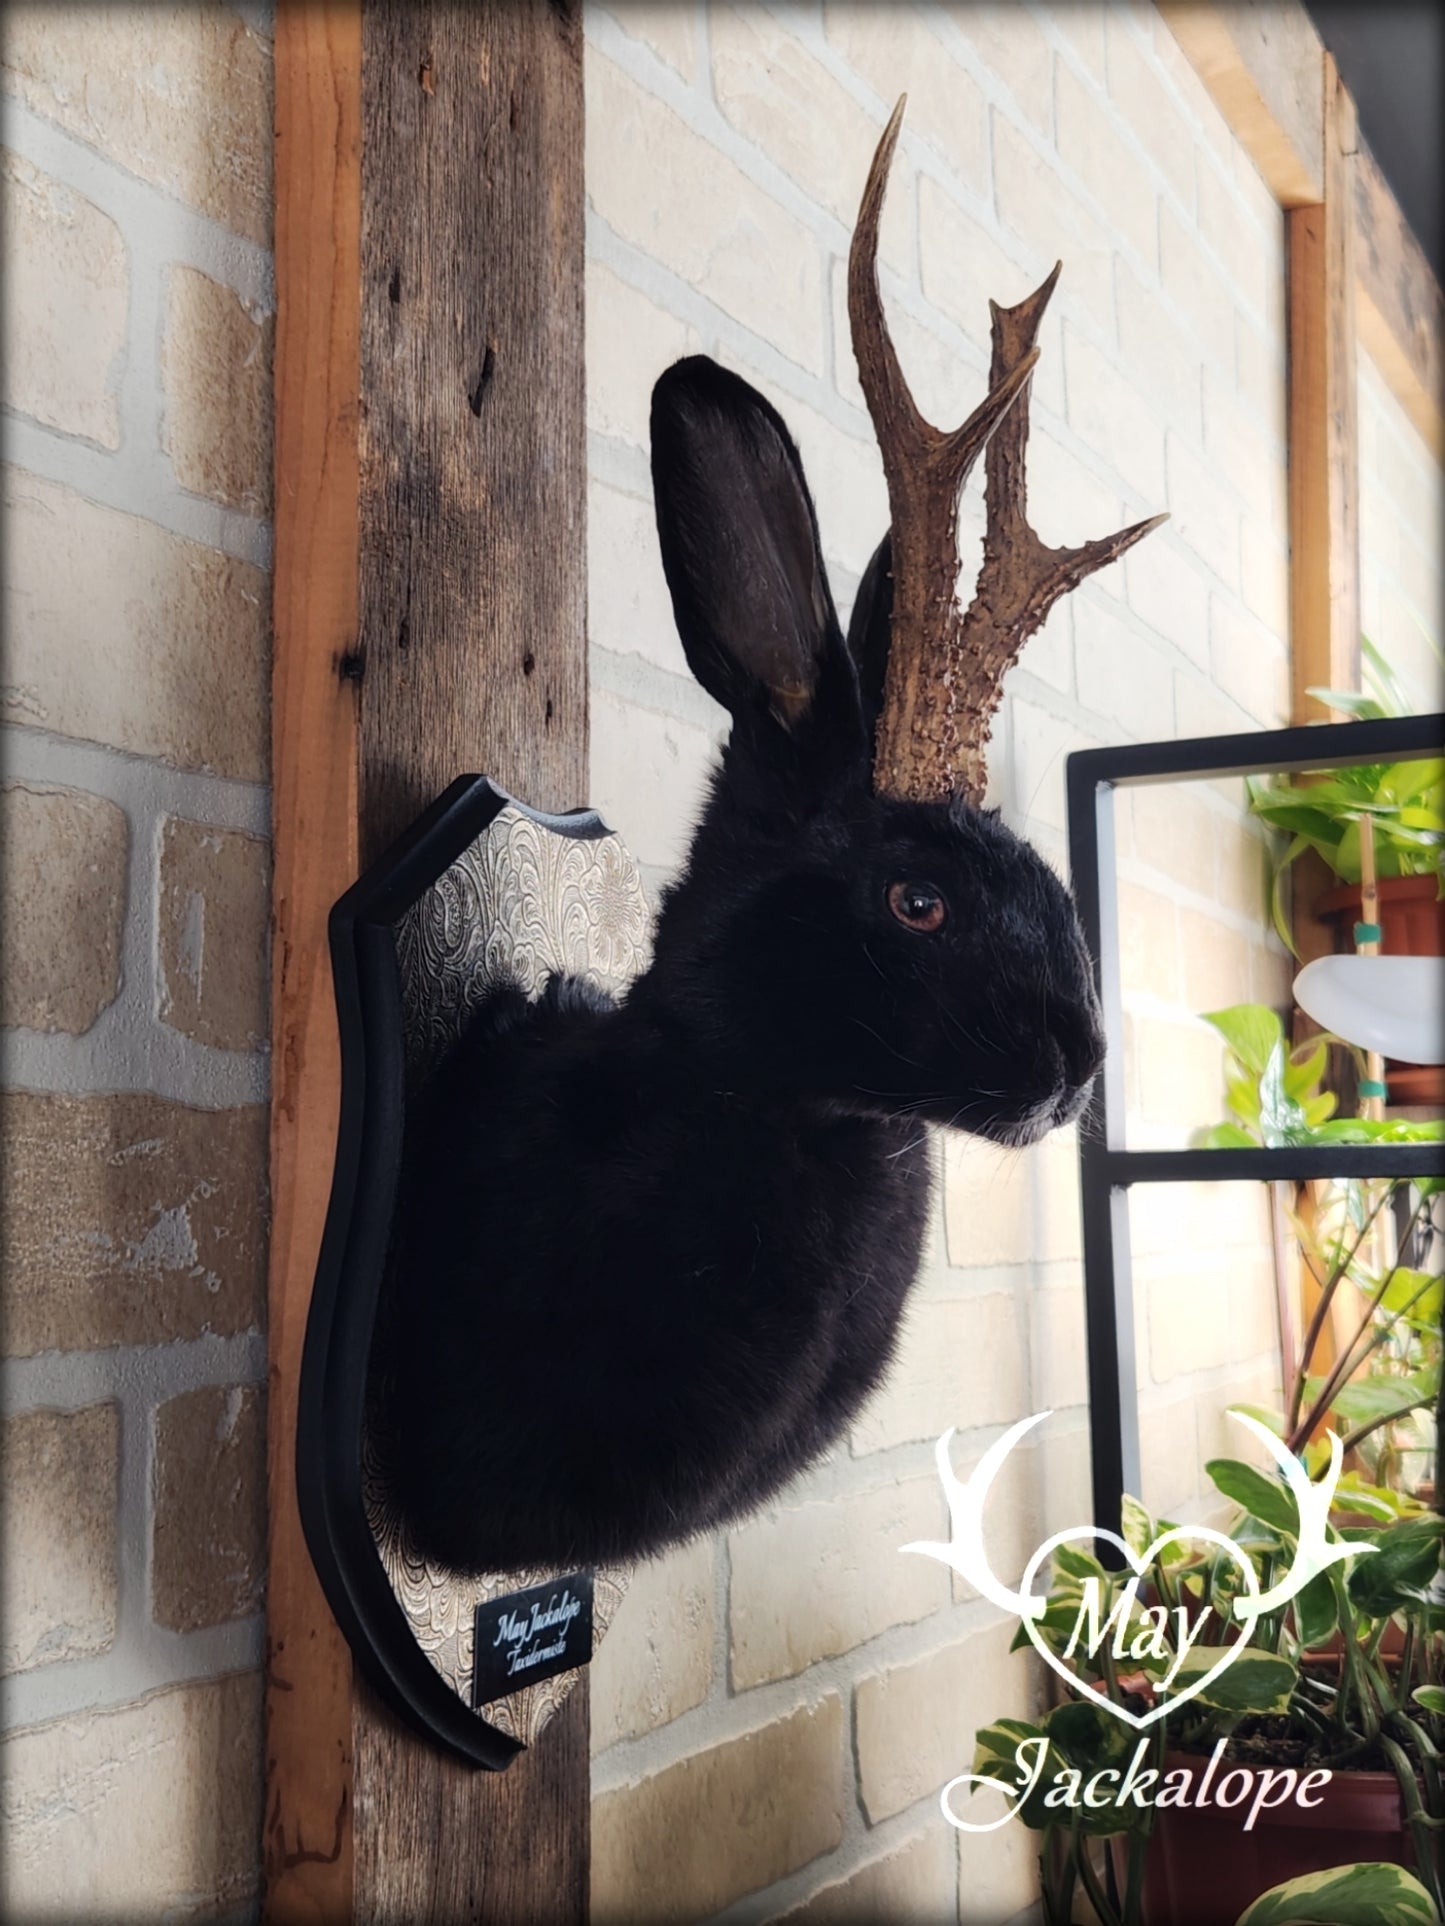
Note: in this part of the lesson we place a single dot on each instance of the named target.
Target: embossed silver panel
(519, 903)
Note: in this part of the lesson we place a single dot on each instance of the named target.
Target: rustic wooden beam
(430, 604)
(307, 1837)
(1261, 64)
(1400, 311)
(1324, 494)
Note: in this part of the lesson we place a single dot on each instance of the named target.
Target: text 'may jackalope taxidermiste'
(657, 1248)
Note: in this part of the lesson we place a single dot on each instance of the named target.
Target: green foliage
(1369, 1893)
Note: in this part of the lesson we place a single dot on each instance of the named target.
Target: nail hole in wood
(394, 289)
(474, 399)
(351, 666)
(548, 717)
(529, 662)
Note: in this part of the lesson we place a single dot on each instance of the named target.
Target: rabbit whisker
(912, 1062)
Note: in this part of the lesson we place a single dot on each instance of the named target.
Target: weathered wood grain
(1324, 495)
(1261, 64)
(1401, 311)
(472, 648)
(430, 620)
(307, 1842)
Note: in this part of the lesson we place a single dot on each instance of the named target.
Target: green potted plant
(1348, 1679)
(1404, 800)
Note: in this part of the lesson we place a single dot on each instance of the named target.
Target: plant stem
(1321, 1311)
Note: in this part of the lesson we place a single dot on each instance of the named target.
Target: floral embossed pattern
(519, 903)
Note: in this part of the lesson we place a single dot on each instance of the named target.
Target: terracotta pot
(1203, 1868)
(1412, 923)
(1412, 914)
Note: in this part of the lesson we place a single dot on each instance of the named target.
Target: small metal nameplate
(531, 1635)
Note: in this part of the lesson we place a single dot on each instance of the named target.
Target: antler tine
(925, 470)
(895, 417)
(1021, 577)
(945, 666)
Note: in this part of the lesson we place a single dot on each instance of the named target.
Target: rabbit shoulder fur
(657, 1250)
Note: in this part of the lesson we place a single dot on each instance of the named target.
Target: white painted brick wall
(137, 295)
(726, 150)
(1402, 511)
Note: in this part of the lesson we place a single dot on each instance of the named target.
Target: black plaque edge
(352, 1262)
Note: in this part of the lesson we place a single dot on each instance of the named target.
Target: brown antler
(946, 666)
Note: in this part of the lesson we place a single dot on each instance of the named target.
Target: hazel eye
(918, 906)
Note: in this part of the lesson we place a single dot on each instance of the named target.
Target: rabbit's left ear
(740, 544)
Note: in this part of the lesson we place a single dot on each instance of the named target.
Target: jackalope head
(946, 665)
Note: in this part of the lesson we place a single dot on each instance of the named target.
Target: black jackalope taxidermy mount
(659, 1248)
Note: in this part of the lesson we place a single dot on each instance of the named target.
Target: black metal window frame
(1107, 1167)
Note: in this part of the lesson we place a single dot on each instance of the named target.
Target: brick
(1049, 217)
(669, 30)
(629, 609)
(648, 772)
(1241, 868)
(1060, 1373)
(1081, 22)
(208, 1541)
(1161, 356)
(216, 367)
(915, 1722)
(62, 906)
(630, 340)
(1041, 742)
(1181, 1076)
(1216, 964)
(213, 920)
(120, 632)
(964, 268)
(151, 1810)
(1166, 591)
(1205, 119)
(671, 193)
(811, 1581)
(1142, 101)
(180, 96)
(961, 1361)
(1091, 146)
(686, 1841)
(1171, 1469)
(1122, 675)
(998, 1874)
(1189, 1325)
(1271, 973)
(1237, 447)
(1204, 511)
(945, 106)
(60, 1592)
(1249, 663)
(1174, 832)
(1068, 503)
(1264, 575)
(778, 96)
(656, 1660)
(64, 306)
(916, 1882)
(1259, 375)
(132, 1220)
(1226, 224)
(1014, 51)
(1199, 288)
(1010, 1206)
(1105, 411)
(1149, 946)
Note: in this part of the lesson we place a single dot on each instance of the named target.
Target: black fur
(659, 1250)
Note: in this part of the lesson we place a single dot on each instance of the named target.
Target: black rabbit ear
(870, 630)
(739, 543)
